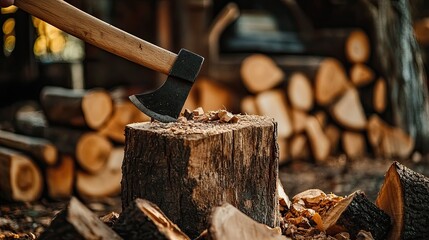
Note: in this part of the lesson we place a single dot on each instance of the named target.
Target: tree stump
(187, 168)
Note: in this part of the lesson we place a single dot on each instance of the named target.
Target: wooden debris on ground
(77, 222)
(144, 220)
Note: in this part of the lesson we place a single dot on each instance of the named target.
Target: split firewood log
(358, 47)
(80, 108)
(272, 103)
(333, 134)
(403, 196)
(248, 105)
(379, 98)
(283, 150)
(284, 201)
(299, 120)
(106, 182)
(388, 141)
(300, 92)
(322, 117)
(77, 222)
(355, 213)
(90, 149)
(361, 75)
(20, 178)
(40, 149)
(212, 96)
(354, 144)
(348, 111)
(228, 223)
(142, 219)
(124, 113)
(60, 178)
(299, 148)
(328, 75)
(180, 180)
(319, 143)
(260, 73)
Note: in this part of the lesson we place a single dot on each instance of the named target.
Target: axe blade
(165, 103)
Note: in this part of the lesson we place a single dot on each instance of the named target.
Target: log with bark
(355, 213)
(60, 178)
(40, 149)
(202, 164)
(90, 149)
(228, 223)
(77, 222)
(106, 182)
(142, 219)
(20, 177)
(403, 196)
(80, 108)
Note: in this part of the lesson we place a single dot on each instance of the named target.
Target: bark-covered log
(90, 149)
(80, 108)
(77, 222)
(144, 220)
(404, 196)
(228, 223)
(20, 178)
(186, 168)
(40, 149)
(356, 213)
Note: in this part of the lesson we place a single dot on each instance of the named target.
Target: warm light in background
(8, 10)
(52, 44)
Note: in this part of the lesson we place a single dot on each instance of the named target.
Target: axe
(163, 104)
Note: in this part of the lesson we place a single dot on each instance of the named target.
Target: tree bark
(403, 196)
(188, 168)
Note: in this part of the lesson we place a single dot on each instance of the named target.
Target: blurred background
(346, 81)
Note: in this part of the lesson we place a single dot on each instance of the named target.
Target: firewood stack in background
(73, 146)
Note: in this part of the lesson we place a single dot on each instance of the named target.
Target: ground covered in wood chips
(339, 176)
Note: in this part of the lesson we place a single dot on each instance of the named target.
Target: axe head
(165, 103)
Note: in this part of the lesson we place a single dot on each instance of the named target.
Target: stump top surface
(194, 128)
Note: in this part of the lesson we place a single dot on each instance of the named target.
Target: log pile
(75, 145)
(398, 213)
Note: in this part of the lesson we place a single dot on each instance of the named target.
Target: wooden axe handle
(98, 33)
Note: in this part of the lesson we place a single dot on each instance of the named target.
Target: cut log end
(92, 152)
(404, 196)
(97, 106)
(319, 143)
(361, 75)
(330, 81)
(300, 92)
(259, 73)
(358, 47)
(60, 179)
(380, 95)
(20, 178)
(50, 154)
(348, 111)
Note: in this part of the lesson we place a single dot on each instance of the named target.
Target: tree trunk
(186, 168)
(398, 59)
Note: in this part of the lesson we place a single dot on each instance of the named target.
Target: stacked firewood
(311, 214)
(325, 105)
(75, 145)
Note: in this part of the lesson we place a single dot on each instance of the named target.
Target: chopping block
(188, 168)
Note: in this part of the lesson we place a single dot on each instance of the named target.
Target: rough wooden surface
(186, 168)
(404, 195)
